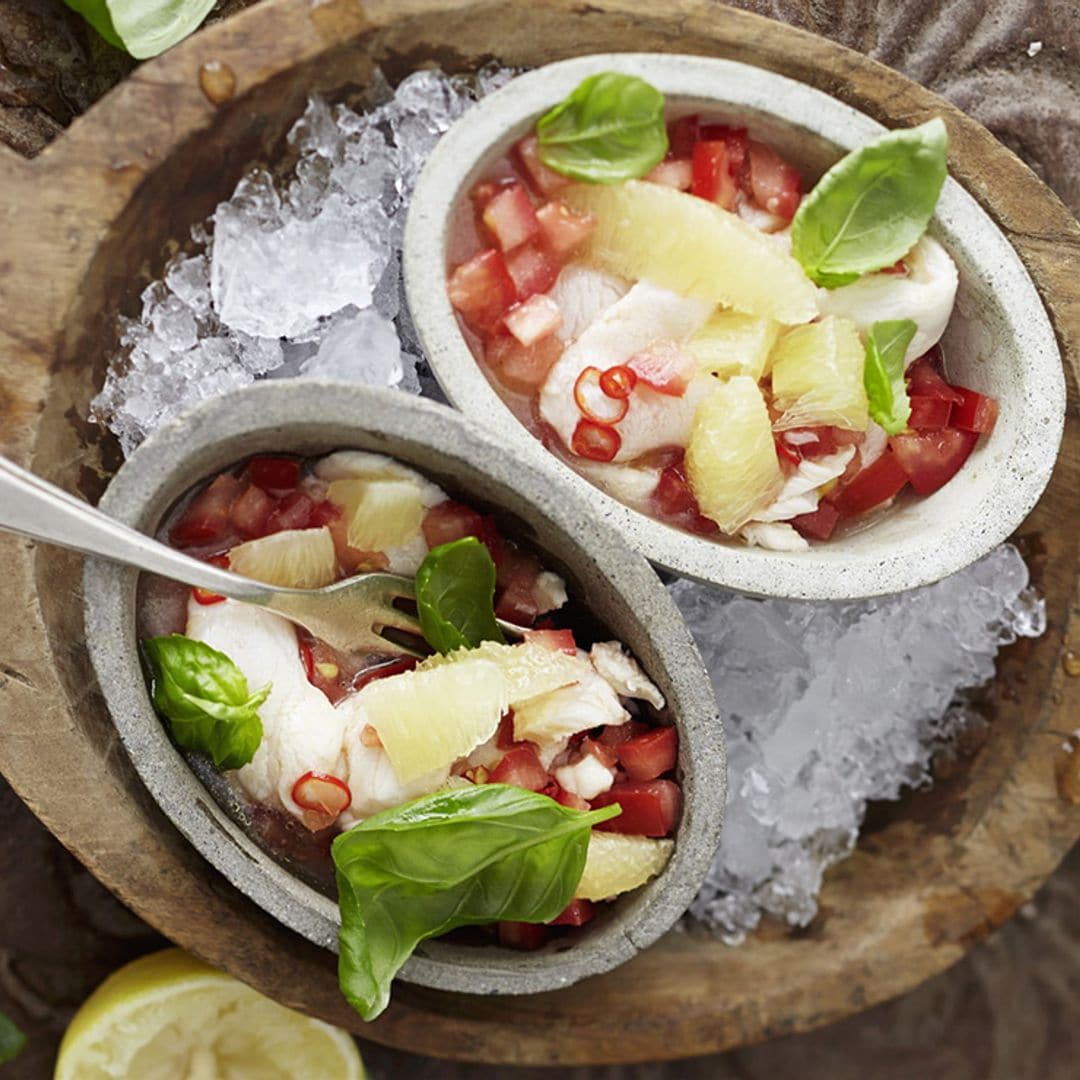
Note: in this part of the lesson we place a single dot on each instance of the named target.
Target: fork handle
(35, 508)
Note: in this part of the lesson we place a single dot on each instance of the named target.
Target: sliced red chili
(618, 381)
(597, 442)
(594, 402)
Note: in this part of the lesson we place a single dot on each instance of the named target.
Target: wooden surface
(90, 214)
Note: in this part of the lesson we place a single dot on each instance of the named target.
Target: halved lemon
(168, 1015)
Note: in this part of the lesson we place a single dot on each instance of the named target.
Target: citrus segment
(293, 559)
(617, 863)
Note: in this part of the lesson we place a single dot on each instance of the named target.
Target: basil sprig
(12, 1040)
(462, 857)
(205, 698)
(143, 27)
(610, 128)
(872, 206)
(455, 596)
(883, 373)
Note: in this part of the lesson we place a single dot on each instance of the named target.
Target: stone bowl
(999, 340)
(621, 589)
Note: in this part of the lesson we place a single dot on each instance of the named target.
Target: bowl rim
(825, 572)
(150, 481)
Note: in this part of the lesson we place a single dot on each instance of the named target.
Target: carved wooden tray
(88, 219)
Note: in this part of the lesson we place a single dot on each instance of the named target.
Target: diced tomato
(711, 174)
(251, 511)
(554, 640)
(516, 574)
(593, 402)
(645, 757)
(673, 494)
(448, 521)
(481, 289)
(664, 367)
(504, 736)
(526, 937)
(274, 473)
(737, 142)
(811, 442)
(384, 670)
(775, 185)
(569, 798)
(521, 768)
(603, 753)
(307, 657)
(596, 442)
(975, 413)
(325, 795)
(576, 913)
(522, 367)
(870, 487)
(293, 512)
(207, 518)
(615, 735)
(533, 319)
(819, 524)
(929, 412)
(930, 459)
(618, 381)
(649, 807)
(924, 381)
(682, 134)
(675, 173)
(510, 217)
(532, 270)
(323, 513)
(564, 230)
(546, 181)
(483, 192)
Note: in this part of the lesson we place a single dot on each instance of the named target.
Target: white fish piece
(406, 558)
(774, 535)
(302, 731)
(925, 295)
(553, 717)
(801, 491)
(623, 673)
(630, 484)
(587, 777)
(549, 592)
(583, 294)
(360, 464)
(646, 314)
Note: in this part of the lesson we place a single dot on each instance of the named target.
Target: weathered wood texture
(90, 215)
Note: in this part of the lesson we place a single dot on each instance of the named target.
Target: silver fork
(351, 615)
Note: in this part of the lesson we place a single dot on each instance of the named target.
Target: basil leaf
(872, 206)
(143, 27)
(462, 857)
(883, 373)
(12, 1040)
(610, 128)
(205, 698)
(455, 596)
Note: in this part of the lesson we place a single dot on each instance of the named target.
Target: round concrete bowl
(999, 340)
(620, 588)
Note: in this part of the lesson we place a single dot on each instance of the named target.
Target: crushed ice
(826, 706)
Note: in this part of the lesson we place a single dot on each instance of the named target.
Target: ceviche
(656, 298)
(516, 778)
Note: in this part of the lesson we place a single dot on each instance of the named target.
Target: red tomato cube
(554, 640)
(649, 807)
(449, 521)
(646, 756)
(818, 525)
(576, 913)
(775, 185)
(544, 180)
(519, 367)
(510, 217)
(250, 512)
(521, 768)
(737, 142)
(481, 289)
(871, 486)
(532, 270)
(274, 473)
(293, 512)
(206, 519)
(682, 134)
(928, 413)
(564, 230)
(975, 412)
(930, 459)
(711, 174)
(672, 494)
(924, 381)
(664, 367)
(524, 936)
(615, 735)
(533, 319)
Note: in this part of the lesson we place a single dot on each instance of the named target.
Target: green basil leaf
(143, 27)
(12, 1040)
(610, 128)
(455, 596)
(205, 698)
(883, 373)
(462, 857)
(872, 206)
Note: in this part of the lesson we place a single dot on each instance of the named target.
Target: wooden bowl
(89, 219)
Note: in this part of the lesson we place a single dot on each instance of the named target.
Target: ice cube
(361, 347)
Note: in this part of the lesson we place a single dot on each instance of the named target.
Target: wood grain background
(1007, 1012)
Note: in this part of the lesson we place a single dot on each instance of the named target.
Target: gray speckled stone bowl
(617, 585)
(999, 340)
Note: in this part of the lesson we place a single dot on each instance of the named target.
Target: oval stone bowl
(999, 340)
(616, 584)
